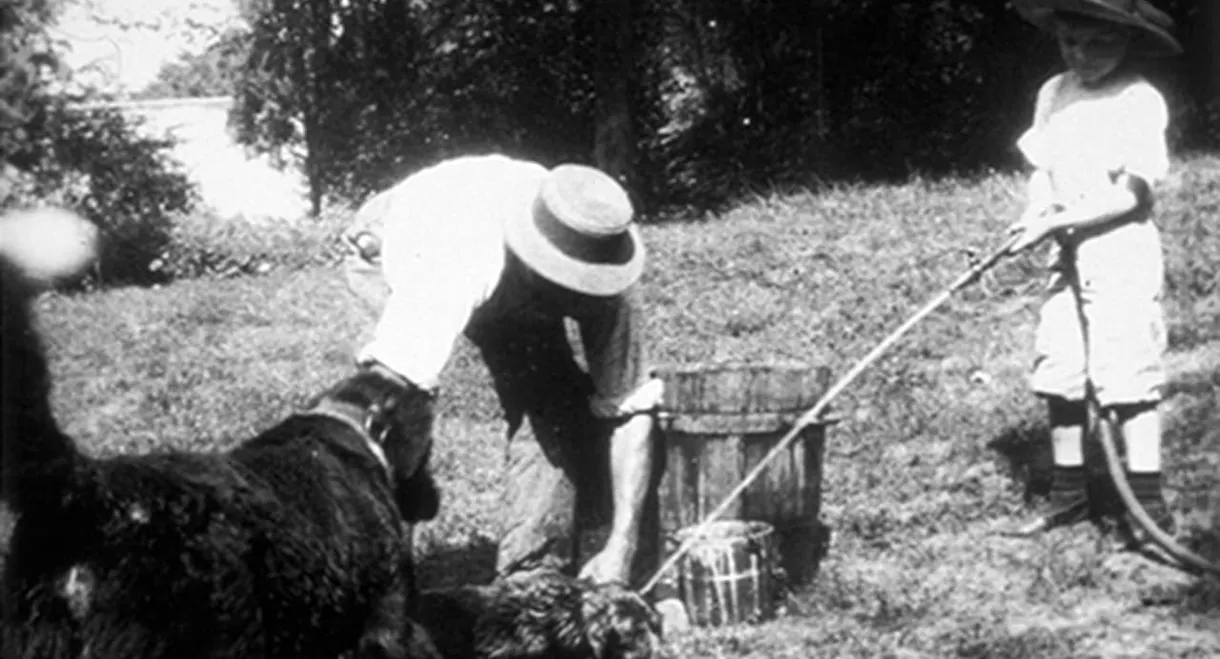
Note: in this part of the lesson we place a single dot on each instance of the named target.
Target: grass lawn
(931, 454)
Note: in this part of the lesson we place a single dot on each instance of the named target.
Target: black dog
(539, 615)
(291, 545)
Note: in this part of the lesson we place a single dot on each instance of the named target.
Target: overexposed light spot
(77, 590)
(138, 513)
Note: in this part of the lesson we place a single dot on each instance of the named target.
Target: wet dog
(539, 614)
(290, 545)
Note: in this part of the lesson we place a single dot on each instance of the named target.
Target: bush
(96, 162)
(203, 245)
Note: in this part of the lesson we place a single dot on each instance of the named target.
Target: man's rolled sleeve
(437, 278)
(614, 350)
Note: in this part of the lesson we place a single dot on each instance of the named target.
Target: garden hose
(1104, 427)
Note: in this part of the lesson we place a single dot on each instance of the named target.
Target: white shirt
(1082, 136)
(442, 246)
(1085, 137)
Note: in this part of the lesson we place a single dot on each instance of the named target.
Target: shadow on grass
(801, 552)
(1026, 451)
(996, 643)
(453, 566)
(1202, 598)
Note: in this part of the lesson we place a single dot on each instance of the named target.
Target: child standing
(1097, 145)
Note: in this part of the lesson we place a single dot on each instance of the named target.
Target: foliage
(729, 95)
(394, 86)
(212, 72)
(866, 89)
(205, 246)
(98, 163)
(26, 57)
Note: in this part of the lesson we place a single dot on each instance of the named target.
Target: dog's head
(619, 624)
(397, 417)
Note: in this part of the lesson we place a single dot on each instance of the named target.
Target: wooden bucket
(717, 422)
(727, 577)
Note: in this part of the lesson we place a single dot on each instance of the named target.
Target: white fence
(231, 181)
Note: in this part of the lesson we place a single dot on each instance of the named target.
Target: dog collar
(357, 418)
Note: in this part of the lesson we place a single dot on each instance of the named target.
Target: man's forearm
(631, 472)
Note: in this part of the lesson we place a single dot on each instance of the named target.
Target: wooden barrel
(727, 577)
(716, 423)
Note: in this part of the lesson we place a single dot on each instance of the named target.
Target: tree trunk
(614, 147)
(1210, 10)
(318, 24)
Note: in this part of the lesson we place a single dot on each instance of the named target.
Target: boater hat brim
(1153, 36)
(604, 265)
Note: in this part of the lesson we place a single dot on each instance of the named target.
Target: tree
(320, 79)
(212, 72)
(365, 92)
(614, 142)
(26, 58)
(691, 102)
(1206, 70)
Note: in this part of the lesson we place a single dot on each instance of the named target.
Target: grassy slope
(914, 478)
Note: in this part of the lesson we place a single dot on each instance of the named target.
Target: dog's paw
(620, 624)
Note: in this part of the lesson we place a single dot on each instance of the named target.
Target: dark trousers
(558, 460)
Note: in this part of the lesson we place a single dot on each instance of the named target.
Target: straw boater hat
(1152, 31)
(579, 233)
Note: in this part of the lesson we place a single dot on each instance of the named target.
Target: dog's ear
(619, 624)
(418, 497)
(403, 415)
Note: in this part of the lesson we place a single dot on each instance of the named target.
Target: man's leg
(540, 503)
(545, 399)
(558, 489)
(595, 520)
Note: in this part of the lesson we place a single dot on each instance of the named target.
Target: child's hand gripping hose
(815, 413)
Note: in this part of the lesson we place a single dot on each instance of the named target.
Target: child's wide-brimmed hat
(579, 232)
(1152, 28)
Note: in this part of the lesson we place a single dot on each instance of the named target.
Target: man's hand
(611, 565)
(674, 617)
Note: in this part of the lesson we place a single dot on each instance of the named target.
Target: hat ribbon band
(603, 250)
